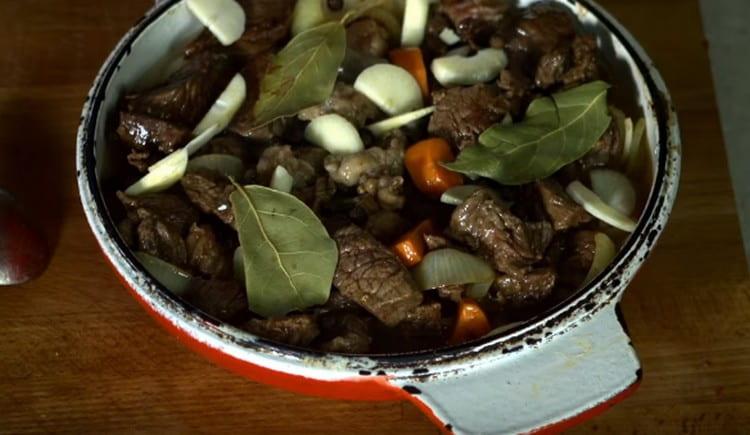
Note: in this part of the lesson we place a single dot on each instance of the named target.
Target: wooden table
(77, 354)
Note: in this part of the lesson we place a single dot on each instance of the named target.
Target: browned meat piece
(563, 212)
(302, 171)
(206, 254)
(127, 229)
(266, 26)
(351, 333)
(189, 93)
(579, 255)
(524, 290)
(423, 321)
(386, 225)
(434, 242)
(463, 113)
(297, 330)
(338, 302)
(229, 144)
(162, 222)
(540, 30)
(388, 190)
(433, 45)
(584, 66)
(371, 275)
(224, 300)
(475, 20)
(149, 136)
(452, 292)
(347, 102)
(209, 191)
(517, 88)
(507, 242)
(367, 36)
(607, 151)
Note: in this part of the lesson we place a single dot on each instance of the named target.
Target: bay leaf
(556, 131)
(289, 258)
(302, 74)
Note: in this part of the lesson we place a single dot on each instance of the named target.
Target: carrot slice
(471, 322)
(422, 161)
(411, 60)
(411, 247)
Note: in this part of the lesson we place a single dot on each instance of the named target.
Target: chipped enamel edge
(400, 369)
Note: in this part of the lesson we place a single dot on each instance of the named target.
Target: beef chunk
(206, 254)
(507, 242)
(210, 192)
(303, 171)
(524, 290)
(475, 20)
(607, 151)
(347, 102)
(127, 229)
(146, 135)
(423, 321)
(368, 37)
(297, 330)
(540, 30)
(225, 300)
(189, 93)
(230, 145)
(568, 65)
(371, 275)
(267, 24)
(463, 113)
(386, 225)
(579, 255)
(162, 222)
(350, 333)
(563, 212)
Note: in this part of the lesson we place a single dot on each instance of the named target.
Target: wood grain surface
(78, 355)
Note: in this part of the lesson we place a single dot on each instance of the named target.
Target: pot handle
(540, 386)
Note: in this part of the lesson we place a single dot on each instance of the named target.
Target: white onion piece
(308, 14)
(614, 189)
(605, 251)
(164, 174)
(415, 22)
(453, 267)
(335, 134)
(390, 87)
(482, 67)
(382, 127)
(224, 164)
(458, 194)
(225, 107)
(282, 180)
(598, 208)
(449, 37)
(224, 18)
(175, 279)
(633, 152)
(194, 145)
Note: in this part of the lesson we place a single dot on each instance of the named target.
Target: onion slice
(453, 267)
(390, 87)
(165, 174)
(335, 134)
(282, 180)
(415, 22)
(224, 164)
(382, 127)
(598, 208)
(614, 189)
(175, 279)
(449, 37)
(604, 253)
(224, 18)
(458, 194)
(225, 107)
(633, 152)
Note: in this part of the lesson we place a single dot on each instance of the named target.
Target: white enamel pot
(563, 366)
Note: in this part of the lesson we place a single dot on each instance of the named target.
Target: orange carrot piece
(411, 247)
(471, 322)
(422, 161)
(411, 60)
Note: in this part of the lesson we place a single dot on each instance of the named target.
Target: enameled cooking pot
(558, 368)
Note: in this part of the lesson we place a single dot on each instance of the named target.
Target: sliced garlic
(598, 208)
(335, 134)
(482, 67)
(415, 22)
(449, 37)
(382, 127)
(224, 18)
(165, 174)
(282, 180)
(390, 87)
(225, 107)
